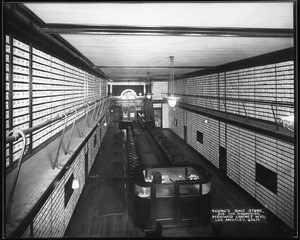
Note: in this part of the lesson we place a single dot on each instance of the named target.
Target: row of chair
(133, 159)
(119, 138)
(119, 159)
(166, 146)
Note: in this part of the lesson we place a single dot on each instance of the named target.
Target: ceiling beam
(139, 81)
(140, 78)
(167, 31)
(152, 67)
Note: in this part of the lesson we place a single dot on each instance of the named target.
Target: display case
(172, 195)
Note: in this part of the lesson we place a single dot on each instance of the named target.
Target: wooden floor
(105, 210)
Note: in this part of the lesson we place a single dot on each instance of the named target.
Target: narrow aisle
(149, 153)
(102, 209)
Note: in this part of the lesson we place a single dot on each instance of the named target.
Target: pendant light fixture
(287, 122)
(170, 97)
(75, 183)
(105, 122)
(149, 94)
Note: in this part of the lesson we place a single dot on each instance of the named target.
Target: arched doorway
(128, 106)
(128, 94)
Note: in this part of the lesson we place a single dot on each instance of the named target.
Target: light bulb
(172, 102)
(75, 183)
(288, 118)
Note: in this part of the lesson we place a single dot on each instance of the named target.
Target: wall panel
(158, 88)
(210, 129)
(247, 161)
(53, 218)
(165, 115)
(233, 153)
(176, 113)
(214, 141)
(222, 137)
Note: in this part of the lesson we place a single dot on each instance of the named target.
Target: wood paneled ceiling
(133, 41)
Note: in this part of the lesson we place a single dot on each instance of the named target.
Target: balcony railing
(99, 109)
(244, 108)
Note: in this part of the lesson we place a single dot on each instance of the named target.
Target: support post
(99, 105)
(225, 109)
(245, 111)
(74, 121)
(60, 143)
(86, 114)
(92, 118)
(205, 104)
(211, 106)
(12, 191)
(276, 123)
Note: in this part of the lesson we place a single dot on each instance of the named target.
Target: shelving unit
(19, 93)
(7, 95)
(40, 86)
(250, 92)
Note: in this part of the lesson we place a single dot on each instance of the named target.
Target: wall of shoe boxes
(249, 89)
(39, 87)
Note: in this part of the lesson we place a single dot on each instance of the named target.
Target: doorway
(223, 160)
(132, 113)
(125, 113)
(157, 117)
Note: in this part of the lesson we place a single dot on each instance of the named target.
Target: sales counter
(172, 195)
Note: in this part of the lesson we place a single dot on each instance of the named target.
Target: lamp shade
(289, 118)
(75, 183)
(149, 95)
(287, 122)
(172, 101)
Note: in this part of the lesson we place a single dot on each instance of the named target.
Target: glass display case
(189, 190)
(143, 192)
(172, 195)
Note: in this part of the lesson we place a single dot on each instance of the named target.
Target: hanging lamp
(105, 120)
(287, 122)
(149, 94)
(75, 183)
(170, 96)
